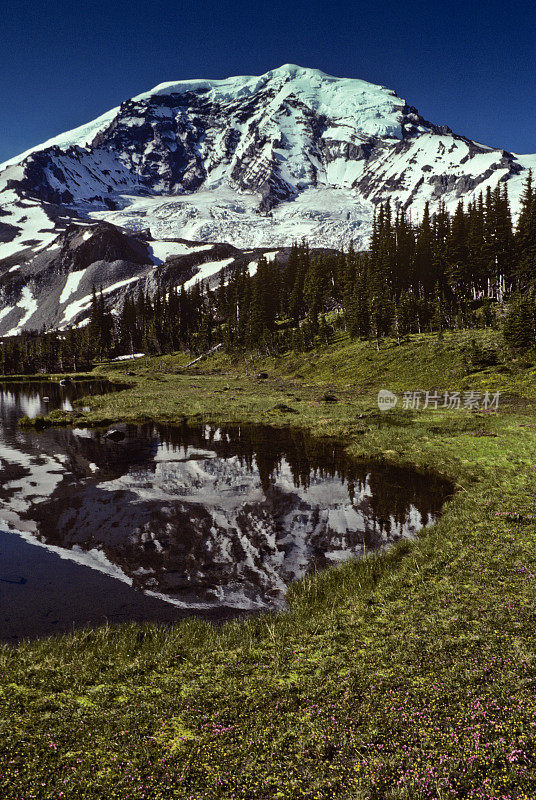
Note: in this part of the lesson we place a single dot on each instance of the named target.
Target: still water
(161, 522)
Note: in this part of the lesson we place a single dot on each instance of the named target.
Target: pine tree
(519, 328)
(526, 235)
(476, 246)
(458, 271)
(424, 252)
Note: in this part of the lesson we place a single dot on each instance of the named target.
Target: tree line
(468, 269)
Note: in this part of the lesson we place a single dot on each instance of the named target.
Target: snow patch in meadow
(128, 358)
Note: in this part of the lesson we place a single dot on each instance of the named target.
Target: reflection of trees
(18, 399)
(393, 489)
(390, 491)
(166, 536)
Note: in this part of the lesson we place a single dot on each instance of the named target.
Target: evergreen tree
(519, 326)
(526, 235)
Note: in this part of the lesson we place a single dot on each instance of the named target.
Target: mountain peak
(295, 69)
(306, 81)
(209, 174)
(373, 110)
(251, 161)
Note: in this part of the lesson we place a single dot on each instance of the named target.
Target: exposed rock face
(255, 162)
(7, 232)
(84, 246)
(52, 286)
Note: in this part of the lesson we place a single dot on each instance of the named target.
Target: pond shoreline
(404, 658)
(202, 517)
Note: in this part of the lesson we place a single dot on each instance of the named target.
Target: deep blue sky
(466, 64)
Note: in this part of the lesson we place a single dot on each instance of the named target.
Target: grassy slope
(410, 675)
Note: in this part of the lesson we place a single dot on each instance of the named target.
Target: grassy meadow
(402, 676)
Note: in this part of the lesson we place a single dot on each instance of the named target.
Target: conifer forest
(474, 268)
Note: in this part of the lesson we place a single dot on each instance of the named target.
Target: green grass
(401, 676)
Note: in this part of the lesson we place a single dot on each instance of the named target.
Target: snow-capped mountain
(252, 162)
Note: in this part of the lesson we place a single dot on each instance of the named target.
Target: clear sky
(470, 65)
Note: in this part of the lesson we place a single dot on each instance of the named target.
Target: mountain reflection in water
(204, 517)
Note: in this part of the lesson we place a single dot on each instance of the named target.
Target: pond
(158, 522)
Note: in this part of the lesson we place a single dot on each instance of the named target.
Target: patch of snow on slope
(120, 284)
(31, 221)
(71, 285)
(161, 250)
(74, 308)
(206, 270)
(46, 246)
(28, 304)
(5, 311)
(253, 265)
(83, 303)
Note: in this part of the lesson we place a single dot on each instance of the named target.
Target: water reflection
(202, 517)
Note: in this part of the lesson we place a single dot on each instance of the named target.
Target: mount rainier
(195, 176)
